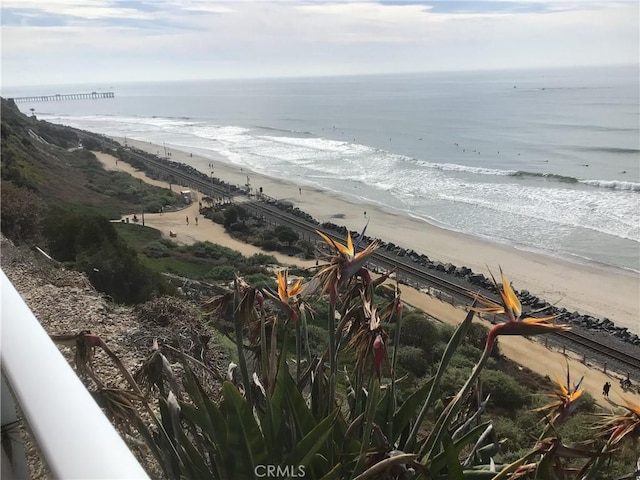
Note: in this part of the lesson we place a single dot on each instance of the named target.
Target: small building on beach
(186, 196)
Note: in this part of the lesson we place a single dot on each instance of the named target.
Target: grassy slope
(60, 174)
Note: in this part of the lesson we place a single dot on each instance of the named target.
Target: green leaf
(382, 409)
(439, 461)
(246, 444)
(349, 444)
(385, 465)
(334, 473)
(155, 445)
(408, 410)
(210, 420)
(372, 401)
(304, 452)
(278, 398)
(454, 469)
(194, 462)
(453, 344)
(477, 475)
(319, 393)
(304, 420)
(176, 465)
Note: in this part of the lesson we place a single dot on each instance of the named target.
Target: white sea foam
(613, 184)
(465, 198)
(454, 167)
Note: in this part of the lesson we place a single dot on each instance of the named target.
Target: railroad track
(380, 257)
(410, 271)
(633, 362)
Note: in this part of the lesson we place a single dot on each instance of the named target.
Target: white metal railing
(74, 436)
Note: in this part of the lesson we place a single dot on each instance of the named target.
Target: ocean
(547, 161)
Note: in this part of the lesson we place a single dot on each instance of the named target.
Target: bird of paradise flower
(567, 397)
(512, 308)
(344, 263)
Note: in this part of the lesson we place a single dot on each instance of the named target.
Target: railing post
(74, 436)
(16, 466)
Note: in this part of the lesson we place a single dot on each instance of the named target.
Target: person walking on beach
(187, 220)
(196, 221)
(605, 389)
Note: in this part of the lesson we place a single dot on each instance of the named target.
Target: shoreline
(525, 351)
(352, 198)
(597, 290)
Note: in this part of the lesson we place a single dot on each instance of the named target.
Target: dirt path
(190, 232)
(528, 353)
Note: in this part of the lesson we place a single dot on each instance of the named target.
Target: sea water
(547, 161)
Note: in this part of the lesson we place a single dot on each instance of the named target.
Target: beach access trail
(528, 353)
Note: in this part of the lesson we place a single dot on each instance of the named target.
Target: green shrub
(211, 250)
(167, 242)
(577, 428)
(153, 206)
(20, 213)
(116, 270)
(260, 280)
(505, 391)
(318, 338)
(308, 248)
(418, 331)
(511, 430)
(222, 272)
(412, 359)
(214, 216)
(477, 336)
(286, 234)
(262, 259)
(452, 380)
(270, 245)
(233, 214)
(469, 351)
(460, 360)
(91, 244)
(69, 233)
(156, 250)
(586, 404)
(445, 331)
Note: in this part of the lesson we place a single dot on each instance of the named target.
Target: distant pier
(68, 96)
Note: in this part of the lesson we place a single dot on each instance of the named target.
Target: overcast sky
(48, 42)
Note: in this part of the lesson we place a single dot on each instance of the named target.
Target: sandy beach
(528, 353)
(595, 290)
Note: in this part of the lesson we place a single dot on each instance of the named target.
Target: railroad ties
(68, 96)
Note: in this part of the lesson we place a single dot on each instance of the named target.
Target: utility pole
(142, 202)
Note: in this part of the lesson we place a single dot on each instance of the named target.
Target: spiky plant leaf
(452, 346)
(439, 461)
(246, 446)
(409, 410)
(307, 448)
(454, 469)
(208, 418)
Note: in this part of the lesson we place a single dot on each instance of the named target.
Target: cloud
(172, 39)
